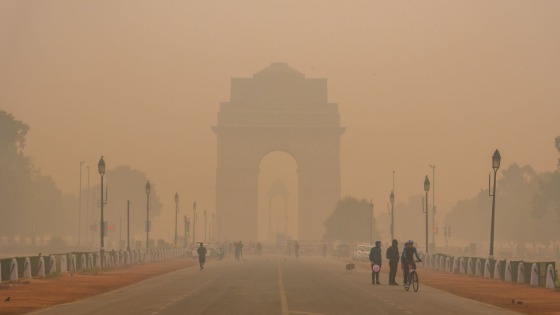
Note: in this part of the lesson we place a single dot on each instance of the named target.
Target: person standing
(201, 251)
(296, 249)
(324, 250)
(393, 255)
(376, 259)
(236, 250)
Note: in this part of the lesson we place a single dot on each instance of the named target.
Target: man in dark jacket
(393, 255)
(201, 251)
(376, 259)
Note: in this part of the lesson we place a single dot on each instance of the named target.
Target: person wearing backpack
(393, 256)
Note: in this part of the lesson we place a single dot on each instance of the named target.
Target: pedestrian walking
(393, 255)
(296, 249)
(237, 250)
(376, 260)
(201, 251)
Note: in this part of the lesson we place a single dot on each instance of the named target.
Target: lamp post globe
(496, 159)
(101, 166)
(426, 184)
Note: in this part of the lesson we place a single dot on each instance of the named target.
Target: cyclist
(408, 253)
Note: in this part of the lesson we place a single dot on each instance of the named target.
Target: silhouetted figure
(324, 250)
(240, 250)
(407, 257)
(376, 259)
(259, 249)
(393, 255)
(296, 249)
(201, 251)
(237, 250)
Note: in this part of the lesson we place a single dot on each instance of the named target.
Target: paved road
(271, 286)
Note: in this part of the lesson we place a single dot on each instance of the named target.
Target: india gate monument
(278, 109)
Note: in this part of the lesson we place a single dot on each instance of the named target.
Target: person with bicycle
(408, 253)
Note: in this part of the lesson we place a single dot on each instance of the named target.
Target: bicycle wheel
(415, 282)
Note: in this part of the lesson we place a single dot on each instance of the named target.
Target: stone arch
(278, 109)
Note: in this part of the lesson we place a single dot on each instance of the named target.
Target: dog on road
(350, 268)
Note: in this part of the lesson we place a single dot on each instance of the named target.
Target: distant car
(362, 252)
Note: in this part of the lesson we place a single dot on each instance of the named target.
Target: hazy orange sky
(417, 83)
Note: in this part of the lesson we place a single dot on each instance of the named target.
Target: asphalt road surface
(274, 285)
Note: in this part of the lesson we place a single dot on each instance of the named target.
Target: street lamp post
(101, 169)
(194, 223)
(205, 225)
(434, 230)
(496, 159)
(128, 225)
(371, 221)
(392, 199)
(148, 190)
(80, 208)
(185, 233)
(427, 189)
(176, 213)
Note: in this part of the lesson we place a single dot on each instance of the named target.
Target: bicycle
(412, 277)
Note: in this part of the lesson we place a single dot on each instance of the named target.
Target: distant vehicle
(362, 252)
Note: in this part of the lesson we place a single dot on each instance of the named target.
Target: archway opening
(278, 198)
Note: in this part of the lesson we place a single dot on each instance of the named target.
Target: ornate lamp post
(392, 200)
(194, 223)
(371, 221)
(128, 225)
(496, 159)
(427, 189)
(176, 212)
(101, 169)
(148, 190)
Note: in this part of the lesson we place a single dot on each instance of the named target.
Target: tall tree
(517, 219)
(31, 204)
(350, 221)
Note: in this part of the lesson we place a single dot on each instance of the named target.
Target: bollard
(487, 272)
(27, 268)
(63, 264)
(534, 275)
(14, 275)
(508, 276)
(550, 284)
(497, 271)
(83, 262)
(521, 273)
(41, 268)
(478, 270)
